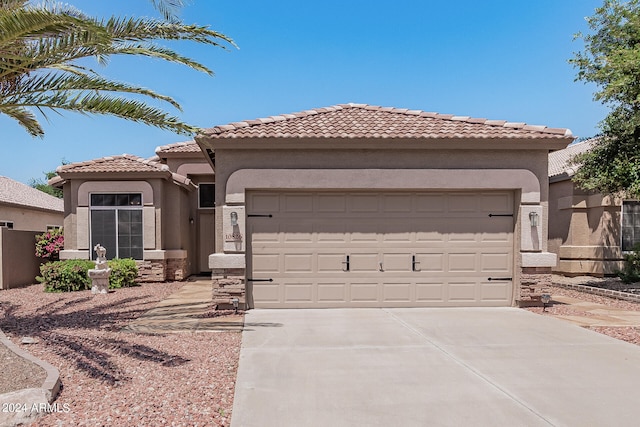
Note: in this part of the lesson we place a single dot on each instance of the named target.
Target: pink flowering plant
(49, 244)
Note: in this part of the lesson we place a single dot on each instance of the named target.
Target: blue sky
(498, 59)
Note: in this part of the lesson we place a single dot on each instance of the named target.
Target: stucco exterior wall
(19, 265)
(584, 230)
(26, 219)
(230, 160)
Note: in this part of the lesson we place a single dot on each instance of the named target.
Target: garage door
(360, 249)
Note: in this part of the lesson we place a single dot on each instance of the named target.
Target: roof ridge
(149, 161)
(160, 148)
(432, 115)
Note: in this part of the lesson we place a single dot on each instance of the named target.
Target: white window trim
(7, 224)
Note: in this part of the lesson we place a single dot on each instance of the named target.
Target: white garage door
(360, 249)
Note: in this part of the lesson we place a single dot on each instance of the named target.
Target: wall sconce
(191, 221)
(533, 218)
(234, 218)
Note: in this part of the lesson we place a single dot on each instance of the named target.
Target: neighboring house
(24, 212)
(362, 206)
(153, 210)
(588, 231)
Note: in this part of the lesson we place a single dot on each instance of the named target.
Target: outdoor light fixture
(234, 218)
(533, 218)
(235, 303)
(546, 299)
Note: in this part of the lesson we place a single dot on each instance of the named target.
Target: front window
(630, 224)
(116, 223)
(6, 224)
(206, 195)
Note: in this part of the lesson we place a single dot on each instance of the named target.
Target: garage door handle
(259, 280)
(413, 263)
(499, 278)
(346, 264)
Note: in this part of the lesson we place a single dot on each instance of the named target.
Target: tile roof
(114, 164)
(559, 167)
(179, 147)
(17, 193)
(366, 121)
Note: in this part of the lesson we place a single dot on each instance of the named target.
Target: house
(24, 213)
(589, 231)
(345, 206)
(363, 206)
(158, 211)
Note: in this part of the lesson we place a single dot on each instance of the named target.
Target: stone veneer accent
(534, 281)
(151, 270)
(228, 283)
(160, 270)
(176, 269)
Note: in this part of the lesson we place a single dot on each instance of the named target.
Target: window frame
(115, 208)
(622, 215)
(6, 224)
(200, 198)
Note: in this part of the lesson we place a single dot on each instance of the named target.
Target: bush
(71, 275)
(65, 276)
(49, 244)
(631, 271)
(123, 273)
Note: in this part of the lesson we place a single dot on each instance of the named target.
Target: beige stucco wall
(584, 230)
(27, 219)
(18, 263)
(231, 160)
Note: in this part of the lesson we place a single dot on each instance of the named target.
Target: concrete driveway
(431, 367)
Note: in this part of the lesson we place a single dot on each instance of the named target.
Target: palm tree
(40, 47)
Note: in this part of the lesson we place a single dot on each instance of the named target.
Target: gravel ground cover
(628, 333)
(115, 378)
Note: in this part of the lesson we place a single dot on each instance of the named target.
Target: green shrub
(71, 275)
(631, 271)
(123, 273)
(65, 276)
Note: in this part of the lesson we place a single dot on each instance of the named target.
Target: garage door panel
(265, 202)
(298, 203)
(335, 293)
(397, 203)
(332, 203)
(298, 263)
(431, 263)
(396, 262)
(501, 203)
(430, 292)
(397, 292)
(494, 292)
(456, 245)
(266, 263)
(296, 233)
(495, 262)
(364, 262)
(430, 203)
(364, 292)
(364, 203)
(331, 262)
(462, 291)
(299, 292)
(266, 292)
(463, 203)
(462, 262)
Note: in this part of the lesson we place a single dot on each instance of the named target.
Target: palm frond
(24, 117)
